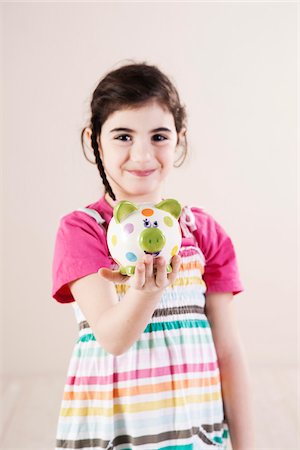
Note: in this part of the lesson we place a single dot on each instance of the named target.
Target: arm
(117, 325)
(234, 374)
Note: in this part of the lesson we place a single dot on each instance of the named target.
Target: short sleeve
(80, 249)
(221, 272)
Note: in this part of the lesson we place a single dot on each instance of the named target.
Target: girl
(158, 363)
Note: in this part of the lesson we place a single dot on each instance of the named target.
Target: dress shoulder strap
(93, 213)
(188, 225)
(187, 221)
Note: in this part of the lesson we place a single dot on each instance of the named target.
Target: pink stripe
(143, 373)
(85, 366)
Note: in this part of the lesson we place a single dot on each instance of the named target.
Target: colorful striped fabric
(164, 392)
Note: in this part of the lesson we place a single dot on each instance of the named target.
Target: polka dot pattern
(131, 256)
(168, 221)
(114, 240)
(128, 228)
(147, 212)
(174, 250)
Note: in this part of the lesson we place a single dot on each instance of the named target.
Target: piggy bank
(136, 229)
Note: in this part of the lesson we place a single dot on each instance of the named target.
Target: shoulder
(204, 220)
(80, 218)
(79, 225)
(210, 234)
(80, 250)
(201, 215)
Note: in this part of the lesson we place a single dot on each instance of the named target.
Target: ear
(123, 209)
(170, 205)
(181, 134)
(88, 135)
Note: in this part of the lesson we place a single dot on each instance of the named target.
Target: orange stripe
(192, 265)
(140, 390)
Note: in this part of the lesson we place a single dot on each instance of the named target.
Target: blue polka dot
(131, 256)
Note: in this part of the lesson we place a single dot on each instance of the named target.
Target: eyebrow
(132, 131)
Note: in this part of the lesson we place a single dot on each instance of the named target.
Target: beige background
(235, 66)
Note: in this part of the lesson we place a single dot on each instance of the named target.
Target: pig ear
(170, 205)
(123, 209)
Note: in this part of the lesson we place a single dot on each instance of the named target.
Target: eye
(155, 224)
(160, 136)
(122, 136)
(147, 223)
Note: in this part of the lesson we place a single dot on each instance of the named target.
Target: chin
(137, 189)
(146, 186)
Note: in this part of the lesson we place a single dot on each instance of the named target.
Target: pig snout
(152, 241)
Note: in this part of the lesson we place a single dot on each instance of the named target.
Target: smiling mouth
(141, 173)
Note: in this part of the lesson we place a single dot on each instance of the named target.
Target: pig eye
(147, 223)
(155, 224)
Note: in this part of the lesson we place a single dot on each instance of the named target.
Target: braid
(100, 166)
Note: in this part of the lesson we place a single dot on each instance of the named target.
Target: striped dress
(164, 392)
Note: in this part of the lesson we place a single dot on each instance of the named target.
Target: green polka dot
(114, 239)
(168, 221)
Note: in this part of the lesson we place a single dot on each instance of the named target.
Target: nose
(140, 152)
(152, 240)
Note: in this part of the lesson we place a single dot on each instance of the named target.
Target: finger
(176, 263)
(161, 278)
(138, 279)
(112, 275)
(148, 259)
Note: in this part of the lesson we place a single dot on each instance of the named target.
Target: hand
(145, 278)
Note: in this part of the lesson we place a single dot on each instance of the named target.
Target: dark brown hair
(130, 86)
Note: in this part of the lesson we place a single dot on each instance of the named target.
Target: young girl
(158, 363)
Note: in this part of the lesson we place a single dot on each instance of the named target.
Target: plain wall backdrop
(235, 67)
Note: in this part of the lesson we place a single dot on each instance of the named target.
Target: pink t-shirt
(81, 249)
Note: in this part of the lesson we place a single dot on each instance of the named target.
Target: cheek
(166, 157)
(113, 160)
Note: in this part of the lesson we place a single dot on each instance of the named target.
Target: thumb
(112, 275)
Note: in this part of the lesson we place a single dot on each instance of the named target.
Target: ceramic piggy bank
(136, 229)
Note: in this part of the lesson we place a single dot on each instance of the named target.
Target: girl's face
(137, 148)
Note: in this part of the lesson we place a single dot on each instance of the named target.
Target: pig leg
(127, 270)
